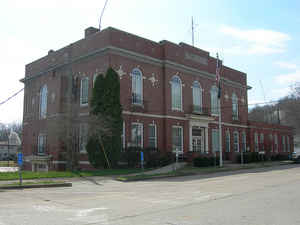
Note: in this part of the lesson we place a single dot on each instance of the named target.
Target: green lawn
(66, 174)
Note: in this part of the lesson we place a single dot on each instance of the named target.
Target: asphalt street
(253, 197)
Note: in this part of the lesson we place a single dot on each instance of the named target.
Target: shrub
(250, 157)
(204, 161)
(279, 157)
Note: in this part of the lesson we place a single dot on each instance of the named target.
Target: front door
(198, 142)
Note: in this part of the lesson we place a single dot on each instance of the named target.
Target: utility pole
(218, 81)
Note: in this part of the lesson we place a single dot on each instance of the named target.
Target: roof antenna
(102, 15)
(193, 31)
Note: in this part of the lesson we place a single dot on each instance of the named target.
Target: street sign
(142, 156)
(20, 158)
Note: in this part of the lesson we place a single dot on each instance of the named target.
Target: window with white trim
(152, 136)
(176, 92)
(236, 145)
(42, 144)
(271, 142)
(123, 137)
(262, 142)
(244, 141)
(43, 102)
(276, 142)
(177, 139)
(235, 107)
(256, 145)
(137, 86)
(197, 97)
(84, 91)
(214, 103)
(137, 135)
(215, 140)
(83, 137)
(227, 141)
(288, 144)
(283, 144)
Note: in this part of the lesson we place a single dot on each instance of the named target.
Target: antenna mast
(102, 15)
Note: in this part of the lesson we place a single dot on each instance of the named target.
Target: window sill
(84, 105)
(137, 105)
(177, 110)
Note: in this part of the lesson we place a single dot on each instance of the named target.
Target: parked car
(296, 157)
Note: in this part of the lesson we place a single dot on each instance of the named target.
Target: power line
(14, 95)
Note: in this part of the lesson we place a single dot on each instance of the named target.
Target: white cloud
(288, 78)
(256, 41)
(286, 65)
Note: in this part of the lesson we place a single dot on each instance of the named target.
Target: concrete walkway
(8, 169)
(167, 169)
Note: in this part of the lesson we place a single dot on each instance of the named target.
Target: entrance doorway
(198, 139)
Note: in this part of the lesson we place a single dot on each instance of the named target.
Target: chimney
(50, 51)
(89, 31)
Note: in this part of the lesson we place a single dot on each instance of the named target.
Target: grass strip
(66, 174)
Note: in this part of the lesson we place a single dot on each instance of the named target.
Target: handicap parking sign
(20, 158)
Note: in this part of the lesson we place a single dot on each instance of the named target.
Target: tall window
(43, 102)
(288, 144)
(276, 142)
(177, 139)
(176, 89)
(271, 142)
(256, 148)
(235, 107)
(137, 86)
(123, 136)
(152, 137)
(214, 100)
(41, 144)
(227, 141)
(83, 137)
(283, 144)
(215, 140)
(262, 142)
(236, 145)
(137, 135)
(244, 142)
(84, 91)
(197, 97)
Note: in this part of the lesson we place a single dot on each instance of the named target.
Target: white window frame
(276, 142)
(43, 101)
(83, 137)
(235, 107)
(84, 100)
(181, 132)
(155, 135)
(262, 141)
(214, 101)
(227, 141)
(123, 137)
(236, 145)
(197, 103)
(141, 128)
(256, 144)
(174, 85)
(136, 81)
(42, 147)
(244, 141)
(215, 146)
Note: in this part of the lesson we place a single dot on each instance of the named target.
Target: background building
(168, 94)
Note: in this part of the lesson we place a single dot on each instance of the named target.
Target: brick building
(168, 95)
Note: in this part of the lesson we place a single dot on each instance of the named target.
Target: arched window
(214, 100)
(176, 88)
(235, 107)
(256, 148)
(197, 97)
(43, 102)
(236, 145)
(137, 86)
(244, 141)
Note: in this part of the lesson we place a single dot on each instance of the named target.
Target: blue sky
(260, 38)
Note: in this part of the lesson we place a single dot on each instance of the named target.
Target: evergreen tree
(104, 144)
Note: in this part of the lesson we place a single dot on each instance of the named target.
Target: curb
(155, 177)
(36, 186)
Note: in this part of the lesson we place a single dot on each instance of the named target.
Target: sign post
(20, 163)
(142, 161)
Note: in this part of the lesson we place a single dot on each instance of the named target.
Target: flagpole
(220, 113)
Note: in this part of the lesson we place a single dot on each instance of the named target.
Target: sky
(260, 38)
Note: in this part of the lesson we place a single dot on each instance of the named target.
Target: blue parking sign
(142, 156)
(20, 158)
